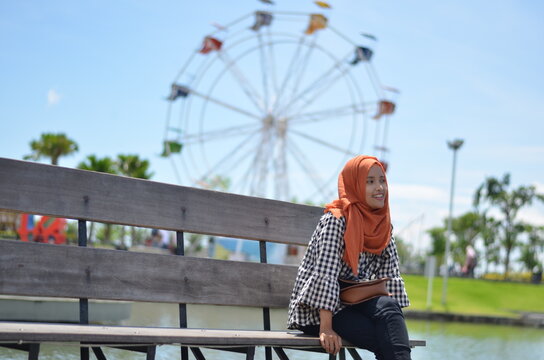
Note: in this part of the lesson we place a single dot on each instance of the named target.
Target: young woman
(353, 240)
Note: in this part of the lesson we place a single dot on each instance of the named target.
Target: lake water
(449, 341)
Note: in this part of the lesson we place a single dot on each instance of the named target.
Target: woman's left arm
(390, 268)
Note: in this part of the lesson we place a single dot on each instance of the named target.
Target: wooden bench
(81, 272)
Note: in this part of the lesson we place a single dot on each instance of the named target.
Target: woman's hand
(330, 341)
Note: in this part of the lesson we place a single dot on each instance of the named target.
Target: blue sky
(100, 71)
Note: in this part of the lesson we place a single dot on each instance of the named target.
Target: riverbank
(535, 320)
(477, 301)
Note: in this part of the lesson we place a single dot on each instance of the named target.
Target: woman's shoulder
(329, 219)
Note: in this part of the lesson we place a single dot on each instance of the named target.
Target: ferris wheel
(275, 103)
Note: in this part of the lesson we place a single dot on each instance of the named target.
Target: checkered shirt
(316, 286)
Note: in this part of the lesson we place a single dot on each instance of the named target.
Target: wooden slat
(77, 194)
(68, 271)
(92, 334)
(37, 332)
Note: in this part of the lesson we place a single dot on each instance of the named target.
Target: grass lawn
(478, 297)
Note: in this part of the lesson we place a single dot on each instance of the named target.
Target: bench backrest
(68, 271)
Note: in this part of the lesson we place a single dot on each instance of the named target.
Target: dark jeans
(376, 325)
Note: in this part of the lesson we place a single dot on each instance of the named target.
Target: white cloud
(428, 193)
(539, 188)
(509, 152)
(417, 192)
(53, 97)
(532, 215)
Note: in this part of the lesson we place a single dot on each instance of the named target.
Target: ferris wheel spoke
(264, 71)
(272, 62)
(305, 164)
(280, 168)
(237, 162)
(248, 179)
(303, 68)
(260, 180)
(232, 23)
(257, 178)
(335, 113)
(378, 88)
(323, 143)
(317, 83)
(287, 76)
(228, 156)
(245, 85)
(316, 93)
(224, 104)
(297, 71)
(218, 134)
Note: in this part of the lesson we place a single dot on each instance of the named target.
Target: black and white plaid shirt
(316, 286)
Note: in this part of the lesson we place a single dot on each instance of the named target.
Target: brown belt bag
(355, 292)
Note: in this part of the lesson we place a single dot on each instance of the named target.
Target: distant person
(164, 242)
(353, 240)
(471, 260)
(155, 240)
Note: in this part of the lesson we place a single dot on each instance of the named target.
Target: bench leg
(99, 353)
(198, 353)
(184, 353)
(84, 353)
(354, 354)
(250, 354)
(33, 351)
(268, 353)
(151, 350)
(281, 354)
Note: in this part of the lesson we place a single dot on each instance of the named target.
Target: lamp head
(455, 144)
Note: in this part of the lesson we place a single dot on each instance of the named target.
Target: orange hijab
(367, 229)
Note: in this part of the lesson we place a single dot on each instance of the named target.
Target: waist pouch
(355, 292)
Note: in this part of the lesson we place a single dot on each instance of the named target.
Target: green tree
(94, 163)
(133, 166)
(105, 165)
(489, 233)
(465, 228)
(533, 248)
(51, 146)
(438, 243)
(496, 193)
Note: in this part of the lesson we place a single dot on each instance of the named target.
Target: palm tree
(51, 146)
(105, 165)
(495, 193)
(93, 163)
(133, 166)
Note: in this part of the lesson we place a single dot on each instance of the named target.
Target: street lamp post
(454, 145)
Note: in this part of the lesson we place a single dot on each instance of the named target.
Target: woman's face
(376, 188)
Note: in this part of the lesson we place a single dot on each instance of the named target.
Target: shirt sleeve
(390, 268)
(321, 290)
